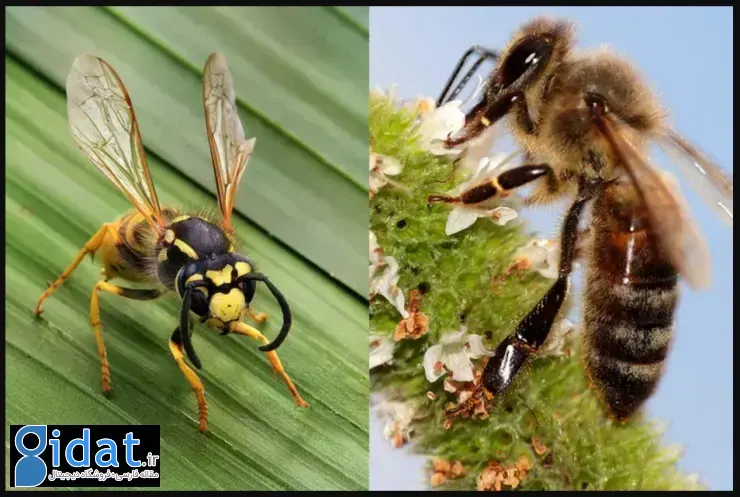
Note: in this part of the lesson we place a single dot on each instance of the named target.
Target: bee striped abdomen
(629, 305)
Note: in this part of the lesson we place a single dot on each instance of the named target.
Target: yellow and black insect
(160, 246)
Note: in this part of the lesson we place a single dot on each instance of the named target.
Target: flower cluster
(384, 277)
(437, 125)
(539, 255)
(453, 354)
(381, 350)
(398, 417)
(443, 470)
(382, 166)
(416, 324)
(496, 475)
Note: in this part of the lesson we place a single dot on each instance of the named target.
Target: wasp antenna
(287, 316)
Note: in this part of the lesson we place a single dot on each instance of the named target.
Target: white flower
(438, 125)
(541, 256)
(476, 149)
(398, 417)
(382, 166)
(421, 106)
(381, 350)
(442, 122)
(376, 256)
(376, 253)
(453, 353)
(449, 386)
(555, 343)
(464, 216)
(385, 284)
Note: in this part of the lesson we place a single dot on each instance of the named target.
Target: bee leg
(483, 54)
(195, 383)
(532, 331)
(245, 329)
(130, 293)
(499, 185)
(484, 114)
(90, 248)
(259, 317)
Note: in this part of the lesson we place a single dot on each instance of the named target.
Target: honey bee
(584, 122)
(162, 247)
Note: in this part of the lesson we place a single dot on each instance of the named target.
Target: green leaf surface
(359, 16)
(301, 83)
(55, 200)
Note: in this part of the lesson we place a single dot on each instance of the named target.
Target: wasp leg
(193, 380)
(259, 317)
(129, 293)
(497, 186)
(532, 331)
(245, 329)
(90, 248)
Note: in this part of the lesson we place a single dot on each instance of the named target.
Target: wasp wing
(230, 151)
(678, 235)
(707, 178)
(102, 120)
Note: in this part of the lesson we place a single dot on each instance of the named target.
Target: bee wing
(230, 152)
(678, 235)
(707, 178)
(102, 120)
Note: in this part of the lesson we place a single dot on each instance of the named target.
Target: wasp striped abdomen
(629, 303)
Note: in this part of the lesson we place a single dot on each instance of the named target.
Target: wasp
(583, 121)
(161, 247)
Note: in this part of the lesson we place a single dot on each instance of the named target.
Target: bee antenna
(287, 317)
(483, 54)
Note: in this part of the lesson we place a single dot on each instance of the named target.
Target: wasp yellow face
(227, 307)
(219, 292)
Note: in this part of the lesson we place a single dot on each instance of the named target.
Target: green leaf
(302, 91)
(257, 438)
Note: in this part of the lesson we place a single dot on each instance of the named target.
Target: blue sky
(685, 54)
